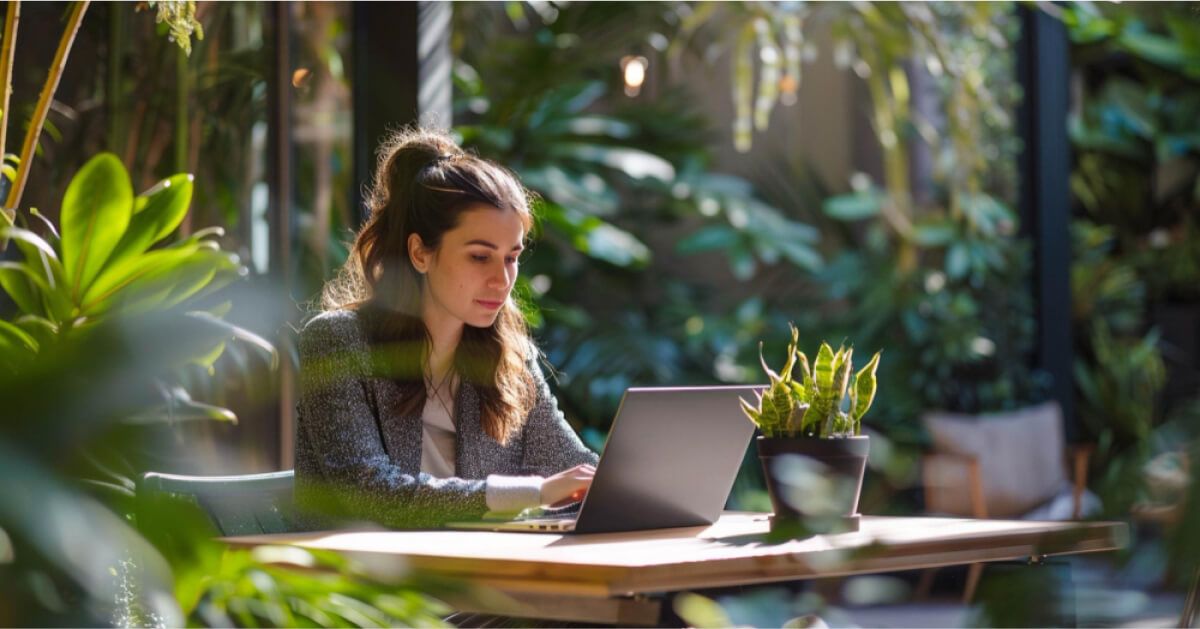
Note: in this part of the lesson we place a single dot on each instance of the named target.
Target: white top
(437, 440)
(504, 493)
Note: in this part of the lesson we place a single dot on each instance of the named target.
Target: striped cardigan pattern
(358, 458)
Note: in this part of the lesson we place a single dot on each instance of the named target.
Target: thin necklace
(436, 390)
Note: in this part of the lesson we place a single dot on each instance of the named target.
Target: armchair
(1012, 465)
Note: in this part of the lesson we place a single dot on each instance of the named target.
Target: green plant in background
(816, 403)
(618, 181)
(1135, 137)
(1136, 180)
(931, 250)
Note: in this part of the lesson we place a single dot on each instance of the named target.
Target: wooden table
(608, 577)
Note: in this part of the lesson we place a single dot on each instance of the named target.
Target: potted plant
(812, 448)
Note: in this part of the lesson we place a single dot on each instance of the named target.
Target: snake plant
(824, 400)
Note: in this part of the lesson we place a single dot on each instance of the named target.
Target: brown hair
(423, 182)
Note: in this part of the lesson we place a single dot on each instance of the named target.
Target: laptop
(670, 461)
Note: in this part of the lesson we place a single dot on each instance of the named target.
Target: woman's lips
(490, 305)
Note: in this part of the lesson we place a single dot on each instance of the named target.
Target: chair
(235, 505)
(1013, 465)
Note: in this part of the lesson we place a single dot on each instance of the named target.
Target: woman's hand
(567, 486)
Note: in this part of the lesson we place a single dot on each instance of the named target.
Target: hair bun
(446, 157)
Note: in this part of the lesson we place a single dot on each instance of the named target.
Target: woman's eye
(511, 260)
(479, 258)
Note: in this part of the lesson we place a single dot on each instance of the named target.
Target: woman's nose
(502, 277)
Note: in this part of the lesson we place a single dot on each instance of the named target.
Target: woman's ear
(418, 253)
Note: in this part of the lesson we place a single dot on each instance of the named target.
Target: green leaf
(616, 246)
(19, 282)
(844, 365)
(707, 239)
(750, 411)
(853, 207)
(958, 261)
(742, 263)
(184, 410)
(96, 210)
(591, 125)
(1160, 50)
(864, 384)
(13, 338)
(806, 377)
(823, 369)
(800, 254)
(700, 611)
(204, 271)
(241, 334)
(41, 259)
(41, 329)
(163, 208)
(936, 234)
(596, 238)
(133, 272)
(634, 163)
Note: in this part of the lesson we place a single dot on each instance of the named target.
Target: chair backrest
(236, 505)
(1019, 454)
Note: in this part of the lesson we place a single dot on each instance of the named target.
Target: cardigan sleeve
(551, 445)
(342, 464)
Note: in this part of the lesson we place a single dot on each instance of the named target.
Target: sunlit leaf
(133, 272)
(163, 209)
(96, 211)
(636, 164)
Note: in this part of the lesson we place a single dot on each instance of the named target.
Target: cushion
(1020, 455)
(1062, 506)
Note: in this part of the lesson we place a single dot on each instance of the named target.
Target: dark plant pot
(798, 468)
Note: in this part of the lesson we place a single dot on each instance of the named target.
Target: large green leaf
(130, 272)
(1161, 50)
(586, 192)
(96, 211)
(596, 238)
(160, 213)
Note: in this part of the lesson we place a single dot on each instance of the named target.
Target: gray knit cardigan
(359, 458)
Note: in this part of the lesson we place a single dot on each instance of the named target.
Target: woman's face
(469, 277)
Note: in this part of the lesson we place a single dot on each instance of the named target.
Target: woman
(421, 399)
